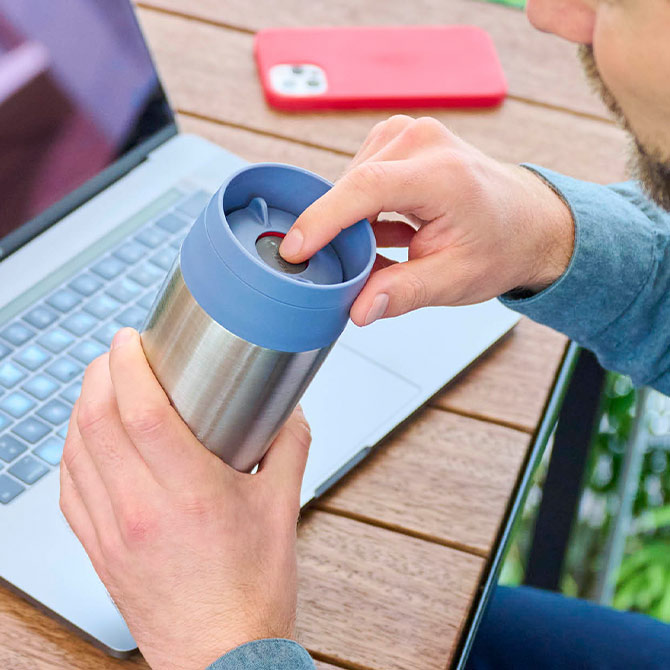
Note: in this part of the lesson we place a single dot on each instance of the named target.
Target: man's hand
(480, 227)
(198, 557)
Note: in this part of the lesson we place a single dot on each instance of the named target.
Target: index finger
(365, 192)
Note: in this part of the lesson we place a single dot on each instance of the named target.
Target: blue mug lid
(230, 263)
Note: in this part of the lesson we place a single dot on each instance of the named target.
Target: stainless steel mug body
(233, 395)
(237, 333)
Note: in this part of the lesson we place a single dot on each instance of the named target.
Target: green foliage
(643, 581)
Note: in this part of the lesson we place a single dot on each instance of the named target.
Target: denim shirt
(614, 299)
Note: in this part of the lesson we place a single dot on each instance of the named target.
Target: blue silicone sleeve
(244, 295)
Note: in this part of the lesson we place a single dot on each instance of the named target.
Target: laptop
(98, 191)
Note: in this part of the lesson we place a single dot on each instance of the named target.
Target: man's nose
(572, 20)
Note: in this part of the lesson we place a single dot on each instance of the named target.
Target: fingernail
(292, 243)
(122, 336)
(378, 308)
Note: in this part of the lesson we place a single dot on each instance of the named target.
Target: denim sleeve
(614, 297)
(272, 654)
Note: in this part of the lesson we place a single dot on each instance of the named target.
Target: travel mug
(236, 332)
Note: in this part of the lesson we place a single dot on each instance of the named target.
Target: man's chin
(648, 166)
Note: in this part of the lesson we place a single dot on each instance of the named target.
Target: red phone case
(408, 66)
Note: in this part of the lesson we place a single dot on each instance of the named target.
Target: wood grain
(443, 477)
(352, 577)
(30, 640)
(373, 598)
(502, 385)
(218, 80)
(524, 51)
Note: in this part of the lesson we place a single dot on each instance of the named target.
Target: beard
(648, 165)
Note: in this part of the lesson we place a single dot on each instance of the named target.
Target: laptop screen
(78, 91)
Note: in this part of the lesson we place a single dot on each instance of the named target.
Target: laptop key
(102, 306)
(28, 469)
(4, 421)
(56, 340)
(87, 351)
(55, 412)
(17, 404)
(40, 387)
(31, 430)
(147, 274)
(32, 357)
(109, 268)
(130, 252)
(63, 300)
(124, 290)
(40, 317)
(194, 204)
(176, 243)
(9, 489)
(151, 237)
(85, 284)
(62, 431)
(4, 350)
(71, 393)
(79, 323)
(64, 370)
(133, 317)
(164, 258)
(51, 450)
(147, 300)
(10, 448)
(171, 223)
(17, 334)
(10, 374)
(105, 335)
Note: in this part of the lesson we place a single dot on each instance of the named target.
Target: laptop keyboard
(45, 349)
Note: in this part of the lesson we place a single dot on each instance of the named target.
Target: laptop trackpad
(350, 405)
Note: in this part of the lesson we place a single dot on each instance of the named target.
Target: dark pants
(525, 629)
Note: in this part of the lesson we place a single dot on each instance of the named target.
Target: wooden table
(389, 559)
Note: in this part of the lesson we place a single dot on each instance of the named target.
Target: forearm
(614, 297)
(272, 654)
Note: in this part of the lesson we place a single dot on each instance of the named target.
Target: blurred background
(618, 551)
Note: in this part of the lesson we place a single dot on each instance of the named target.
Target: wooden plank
(31, 640)
(259, 148)
(217, 80)
(507, 385)
(372, 598)
(444, 477)
(352, 578)
(524, 51)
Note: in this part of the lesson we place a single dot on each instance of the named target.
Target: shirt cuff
(270, 654)
(611, 261)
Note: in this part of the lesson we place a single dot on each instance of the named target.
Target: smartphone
(379, 67)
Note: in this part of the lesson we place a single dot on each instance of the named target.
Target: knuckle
(368, 176)
(397, 122)
(412, 290)
(146, 421)
(70, 456)
(197, 507)
(91, 415)
(426, 128)
(110, 548)
(302, 431)
(137, 525)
